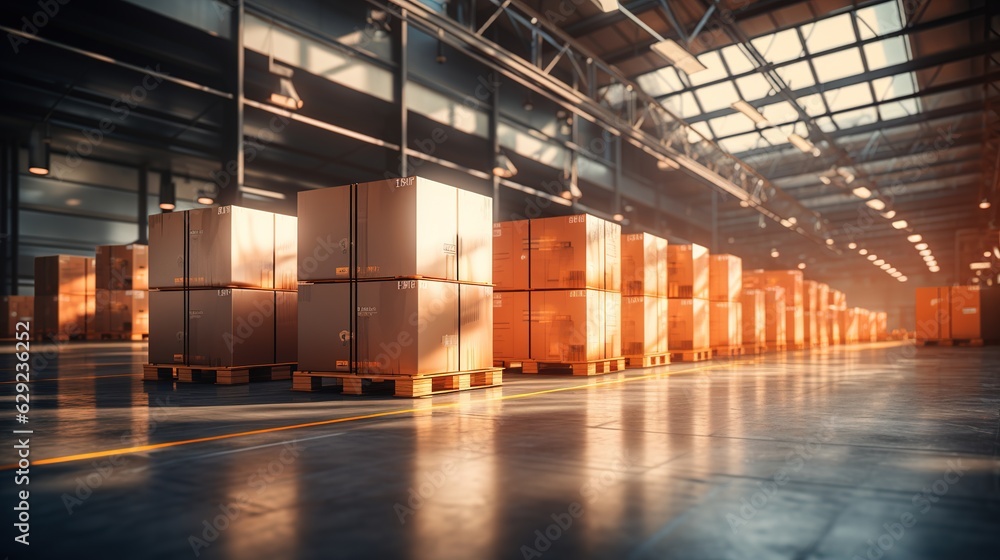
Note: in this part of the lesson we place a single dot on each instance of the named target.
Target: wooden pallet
(727, 351)
(647, 360)
(407, 386)
(592, 367)
(778, 348)
(967, 341)
(934, 342)
(691, 355)
(508, 364)
(217, 375)
(754, 349)
(117, 336)
(797, 346)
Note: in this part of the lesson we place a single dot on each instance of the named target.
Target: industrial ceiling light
(205, 197)
(985, 203)
(915, 238)
(678, 56)
(664, 164)
(920, 246)
(902, 278)
(168, 193)
(286, 96)
(980, 266)
(885, 266)
(829, 241)
(996, 251)
(825, 180)
(38, 150)
(987, 254)
(862, 192)
(928, 258)
(618, 217)
(802, 266)
(924, 252)
(876, 204)
(852, 245)
(934, 268)
(528, 105)
(863, 252)
(872, 257)
(752, 113)
(889, 215)
(899, 224)
(263, 193)
(897, 274)
(607, 5)
(775, 253)
(846, 174)
(786, 223)
(503, 167)
(802, 144)
(878, 262)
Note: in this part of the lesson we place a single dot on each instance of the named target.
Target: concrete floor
(817, 454)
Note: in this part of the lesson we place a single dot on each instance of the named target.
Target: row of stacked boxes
(64, 299)
(15, 309)
(688, 270)
(121, 292)
(645, 310)
(964, 314)
(725, 292)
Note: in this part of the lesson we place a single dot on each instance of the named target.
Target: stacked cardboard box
(792, 282)
(725, 288)
(122, 285)
(810, 316)
(775, 318)
(64, 297)
(881, 319)
(836, 310)
(15, 309)
(822, 314)
(852, 325)
(397, 280)
(966, 313)
(933, 314)
(754, 320)
(214, 300)
(571, 287)
(644, 297)
(687, 288)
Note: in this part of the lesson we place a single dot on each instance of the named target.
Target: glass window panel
(779, 47)
(717, 97)
(857, 117)
(897, 109)
(444, 110)
(701, 127)
(797, 75)
(781, 112)
(737, 61)
(714, 69)
(753, 86)
(838, 65)
(731, 124)
(848, 97)
(682, 105)
(887, 52)
(825, 124)
(813, 104)
(774, 136)
(739, 144)
(828, 33)
(878, 20)
(660, 82)
(894, 86)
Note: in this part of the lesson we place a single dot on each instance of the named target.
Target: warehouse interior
(836, 160)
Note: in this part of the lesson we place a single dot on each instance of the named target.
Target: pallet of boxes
(559, 308)
(836, 310)
(810, 316)
(64, 298)
(822, 312)
(754, 318)
(121, 277)
(687, 289)
(645, 315)
(15, 309)
(948, 316)
(725, 286)
(397, 289)
(791, 282)
(222, 299)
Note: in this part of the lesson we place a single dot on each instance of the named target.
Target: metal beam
(233, 161)
(142, 210)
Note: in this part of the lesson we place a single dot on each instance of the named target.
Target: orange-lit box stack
(810, 316)
(725, 285)
(689, 324)
(14, 310)
(792, 282)
(571, 252)
(687, 288)
(852, 325)
(822, 314)
(881, 326)
(64, 297)
(933, 314)
(222, 288)
(122, 302)
(754, 319)
(966, 313)
(836, 309)
(726, 324)
(510, 325)
(774, 318)
(575, 325)
(644, 298)
(725, 278)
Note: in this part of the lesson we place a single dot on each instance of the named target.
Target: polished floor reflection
(877, 451)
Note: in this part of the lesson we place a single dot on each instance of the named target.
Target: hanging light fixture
(985, 203)
(38, 150)
(503, 167)
(286, 96)
(678, 56)
(206, 197)
(168, 193)
(915, 238)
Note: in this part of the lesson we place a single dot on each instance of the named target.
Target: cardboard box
(230, 246)
(775, 316)
(754, 317)
(286, 246)
(168, 327)
(168, 250)
(402, 327)
(475, 327)
(122, 267)
(645, 325)
(63, 274)
(725, 324)
(725, 278)
(510, 255)
(510, 325)
(575, 252)
(881, 325)
(792, 282)
(966, 313)
(644, 265)
(688, 324)
(822, 313)
(15, 309)
(569, 325)
(402, 227)
(989, 299)
(612, 324)
(475, 239)
(687, 271)
(230, 327)
(60, 317)
(286, 327)
(933, 314)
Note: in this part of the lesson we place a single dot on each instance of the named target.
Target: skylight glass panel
(828, 33)
(737, 61)
(838, 65)
(848, 97)
(682, 105)
(701, 127)
(717, 97)
(797, 75)
(780, 112)
(879, 20)
(857, 117)
(779, 47)
(887, 52)
(813, 104)
(825, 124)
(754, 86)
(898, 109)
(714, 69)
(893, 86)
(731, 125)
(742, 143)
(660, 82)
(775, 136)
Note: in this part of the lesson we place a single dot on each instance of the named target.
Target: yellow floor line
(164, 445)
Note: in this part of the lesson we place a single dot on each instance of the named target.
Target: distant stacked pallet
(121, 308)
(882, 326)
(810, 315)
(950, 316)
(14, 310)
(836, 311)
(754, 321)
(644, 300)
(222, 300)
(561, 312)
(792, 282)
(853, 325)
(725, 288)
(687, 289)
(775, 317)
(822, 314)
(397, 289)
(64, 297)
